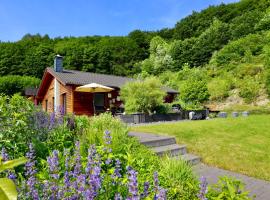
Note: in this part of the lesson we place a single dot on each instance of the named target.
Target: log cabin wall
(67, 91)
(48, 99)
(83, 103)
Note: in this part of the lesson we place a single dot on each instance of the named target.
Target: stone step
(151, 140)
(190, 158)
(172, 150)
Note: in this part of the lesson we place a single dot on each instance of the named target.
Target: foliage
(245, 24)
(181, 178)
(264, 23)
(142, 96)
(236, 51)
(12, 84)
(219, 89)
(45, 131)
(249, 89)
(159, 60)
(194, 91)
(227, 188)
(8, 189)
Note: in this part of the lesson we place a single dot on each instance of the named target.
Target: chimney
(58, 63)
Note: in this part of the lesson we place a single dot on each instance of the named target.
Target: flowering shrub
(70, 175)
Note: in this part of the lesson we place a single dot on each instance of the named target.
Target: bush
(21, 123)
(238, 50)
(219, 89)
(227, 188)
(267, 82)
(178, 175)
(194, 91)
(12, 84)
(142, 96)
(97, 125)
(249, 89)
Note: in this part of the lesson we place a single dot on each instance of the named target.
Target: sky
(92, 17)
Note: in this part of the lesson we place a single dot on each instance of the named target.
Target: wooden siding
(68, 91)
(48, 97)
(83, 103)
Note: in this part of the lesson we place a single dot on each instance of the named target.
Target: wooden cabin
(57, 89)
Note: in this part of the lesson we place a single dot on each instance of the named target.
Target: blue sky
(92, 17)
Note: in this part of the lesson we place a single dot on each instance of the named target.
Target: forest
(221, 50)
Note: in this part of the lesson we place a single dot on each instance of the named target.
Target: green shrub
(237, 51)
(227, 188)
(12, 84)
(249, 89)
(267, 82)
(178, 176)
(142, 96)
(219, 89)
(194, 91)
(94, 131)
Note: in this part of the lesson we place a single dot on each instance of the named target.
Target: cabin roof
(74, 77)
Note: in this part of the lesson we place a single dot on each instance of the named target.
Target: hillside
(219, 56)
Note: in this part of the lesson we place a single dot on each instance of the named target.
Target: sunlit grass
(237, 144)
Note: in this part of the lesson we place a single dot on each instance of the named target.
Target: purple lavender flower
(117, 169)
(118, 197)
(61, 114)
(66, 174)
(4, 154)
(77, 168)
(133, 184)
(53, 162)
(161, 194)
(145, 190)
(90, 159)
(52, 120)
(108, 161)
(156, 184)
(203, 188)
(30, 173)
(107, 137)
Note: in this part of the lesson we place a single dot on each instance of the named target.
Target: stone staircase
(163, 145)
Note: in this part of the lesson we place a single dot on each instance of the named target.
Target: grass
(237, 144)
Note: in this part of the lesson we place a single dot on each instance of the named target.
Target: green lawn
(237, 144)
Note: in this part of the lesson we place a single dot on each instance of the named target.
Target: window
(46, 105)
(64, 103)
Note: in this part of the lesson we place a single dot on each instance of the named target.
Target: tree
(244, 24)
(160, 60)
(142, 96)
(264, 23)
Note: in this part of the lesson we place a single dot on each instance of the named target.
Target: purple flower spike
(156, 184)
(4, 154)
(118, 197)
(32, 192)
(53, 162)
(52, 120)
(90, 159)
(145, 190)
(117, 169)
(203, 188)
(133, 184)
(107, 137)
